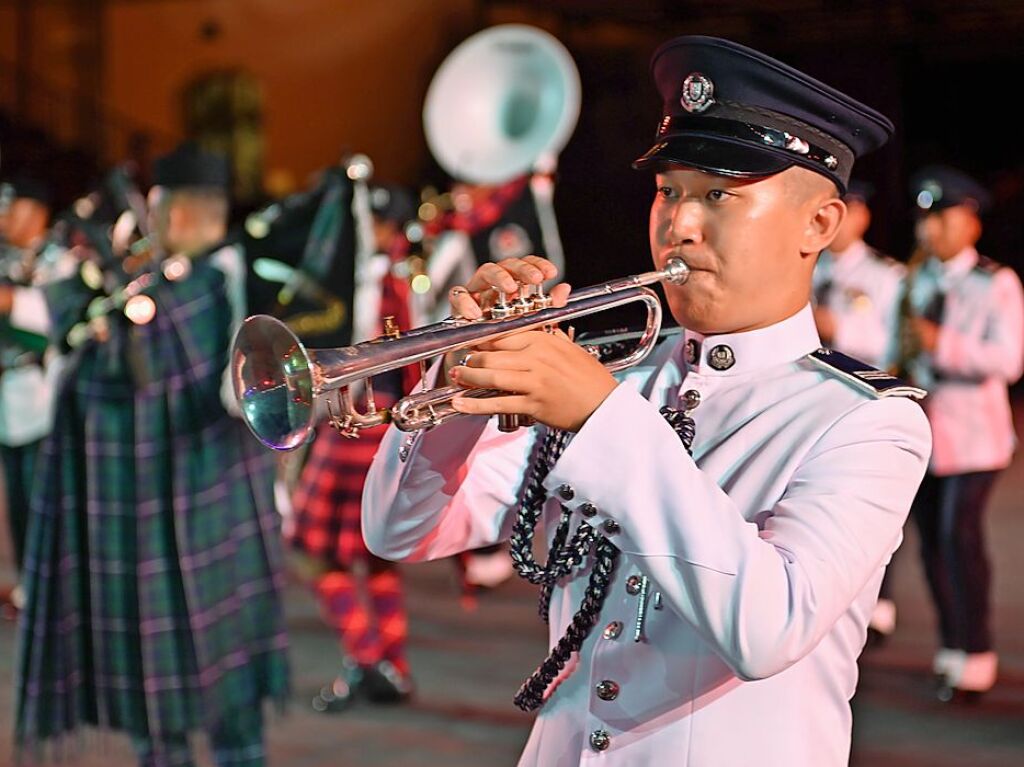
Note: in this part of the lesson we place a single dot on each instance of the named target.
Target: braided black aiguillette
(564, 556)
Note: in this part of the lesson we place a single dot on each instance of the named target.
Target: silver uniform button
(588, 509)
(607, 689)
(600, 740)
(611, 526)
(691, 399)
(692, 350)
(612, 630)
(721, 357)
(566, 492)
(633, 584)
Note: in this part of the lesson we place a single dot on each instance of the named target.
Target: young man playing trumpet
(721, 514)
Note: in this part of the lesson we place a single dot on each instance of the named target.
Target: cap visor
(714, 155)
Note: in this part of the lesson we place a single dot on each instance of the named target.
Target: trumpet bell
(272, 377)
(503, 99)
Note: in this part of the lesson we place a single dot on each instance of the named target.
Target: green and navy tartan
(153, 564)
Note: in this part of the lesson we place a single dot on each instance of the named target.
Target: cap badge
(931, 193)
(698, 92)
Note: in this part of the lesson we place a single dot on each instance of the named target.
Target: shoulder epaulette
(617, 343)
(987, 265)
(871, 381)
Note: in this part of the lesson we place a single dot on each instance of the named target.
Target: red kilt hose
(327, 500)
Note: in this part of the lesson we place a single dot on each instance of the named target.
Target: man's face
(750, 245)
(946, 232)
(25, 221)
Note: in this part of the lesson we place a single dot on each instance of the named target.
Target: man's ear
(822, 226)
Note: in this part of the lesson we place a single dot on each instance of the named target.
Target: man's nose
(687, 224)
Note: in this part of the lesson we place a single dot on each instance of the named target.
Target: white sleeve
(454, 491)
(29, 311)
(1000, 350)
(763, 599)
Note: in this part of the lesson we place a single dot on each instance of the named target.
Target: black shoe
(875, 639)
(956, 696)
(384, 683)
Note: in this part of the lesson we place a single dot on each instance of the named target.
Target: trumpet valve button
(501, 312)
(541, 301)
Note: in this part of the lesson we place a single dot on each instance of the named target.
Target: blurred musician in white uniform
(856, 303)
(966, 322)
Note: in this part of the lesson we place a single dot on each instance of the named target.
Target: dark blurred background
(286, 87)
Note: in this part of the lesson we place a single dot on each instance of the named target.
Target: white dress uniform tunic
(980, 351)
(861, 288)
(27, 391)
(762, 553)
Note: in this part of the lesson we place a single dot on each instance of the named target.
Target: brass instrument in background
(502, 105)
(908, 342)
(279, 383)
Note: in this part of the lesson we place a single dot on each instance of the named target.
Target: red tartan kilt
(326, 503)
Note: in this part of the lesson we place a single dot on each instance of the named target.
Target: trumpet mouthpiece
(676, 271)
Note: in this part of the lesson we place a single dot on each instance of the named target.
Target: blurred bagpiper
(152, 566)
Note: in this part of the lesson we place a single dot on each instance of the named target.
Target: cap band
(836, 160)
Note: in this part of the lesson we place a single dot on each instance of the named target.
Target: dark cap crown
(28, 187)
(188, 165)
(734, 111)
(937, 187)
(392, 203)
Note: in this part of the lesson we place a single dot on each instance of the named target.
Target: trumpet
(279, 383)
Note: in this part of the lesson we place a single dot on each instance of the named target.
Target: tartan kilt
(327, 502)
(153, 563)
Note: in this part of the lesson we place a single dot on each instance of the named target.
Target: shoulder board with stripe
(987, 265)
(869, 380)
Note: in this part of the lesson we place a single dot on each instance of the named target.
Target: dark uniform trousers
(949, 512)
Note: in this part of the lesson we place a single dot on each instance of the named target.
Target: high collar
(947, 273)
(753, 350)
(961, 263)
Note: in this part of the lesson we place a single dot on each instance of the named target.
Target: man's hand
(548, 377)
(481, 292)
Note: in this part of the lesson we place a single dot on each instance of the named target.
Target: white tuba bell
(504, 102)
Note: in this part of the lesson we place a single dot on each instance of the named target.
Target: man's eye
(717, 195)
(666, 191)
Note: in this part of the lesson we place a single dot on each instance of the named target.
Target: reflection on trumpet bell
(279, 383)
